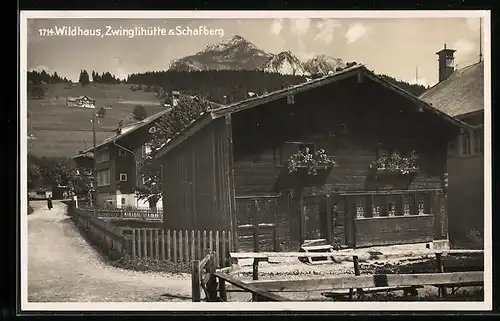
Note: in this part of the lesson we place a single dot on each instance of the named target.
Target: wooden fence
(166, 245)
(179, 245)
(127, 213)
(213, 282)
(105, 235)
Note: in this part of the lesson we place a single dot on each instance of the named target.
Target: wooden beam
(350, 253)
(250, 288)
(368, 281)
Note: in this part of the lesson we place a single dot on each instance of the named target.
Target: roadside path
(63, 267)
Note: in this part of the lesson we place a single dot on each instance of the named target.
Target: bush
(139, 112)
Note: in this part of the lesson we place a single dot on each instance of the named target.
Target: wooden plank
(368, 281)
(205, 260)
(217, 249)
(180, 246)
(157, 244)
(210, 241)
(144, 243)
(251, 288)
(198, 245)
(162, 242)
(223, 251)
(317, 247)
(169, 257)
(204, 242)
(249, 255)
(139, 243)
(133, 244)
(151, 253)
(174, 241)
(186, 246)
(193, 254)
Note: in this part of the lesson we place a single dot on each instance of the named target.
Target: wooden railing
(391, 203)
(374, 283)
(128, 213)
(178, 245)
(205, 276)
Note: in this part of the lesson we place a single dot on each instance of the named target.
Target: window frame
(120, 177)
(101, 175)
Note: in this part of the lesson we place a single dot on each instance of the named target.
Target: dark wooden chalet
(229, 170)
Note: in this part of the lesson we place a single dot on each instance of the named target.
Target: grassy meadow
(62, 131)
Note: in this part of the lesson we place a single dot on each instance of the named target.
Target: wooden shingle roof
(461, 93)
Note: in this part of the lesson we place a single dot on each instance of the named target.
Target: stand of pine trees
(227, 86)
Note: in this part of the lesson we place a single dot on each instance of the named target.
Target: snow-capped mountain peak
(322, 64)
(237, 53)
(285, 63)
(228, 43)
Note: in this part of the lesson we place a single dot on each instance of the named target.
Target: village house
(349, 158)
(81, 102)
(117, 160)
(460, 94)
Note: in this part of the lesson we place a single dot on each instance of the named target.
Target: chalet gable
(359, 72)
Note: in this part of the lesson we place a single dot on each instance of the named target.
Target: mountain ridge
(237, 53)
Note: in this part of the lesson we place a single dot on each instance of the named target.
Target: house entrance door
(315, 218)
(256, 223)
(324, 218)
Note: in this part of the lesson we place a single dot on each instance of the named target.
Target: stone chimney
(175, 98)
(446, 63)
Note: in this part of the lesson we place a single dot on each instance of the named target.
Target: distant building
(82, 102)
(460, 94)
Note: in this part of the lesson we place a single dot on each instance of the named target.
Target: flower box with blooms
(310, 161)
(395, 164)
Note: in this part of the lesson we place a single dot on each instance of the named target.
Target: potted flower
(312, 161)
(395, 163)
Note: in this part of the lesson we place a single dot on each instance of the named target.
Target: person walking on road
(49, 202)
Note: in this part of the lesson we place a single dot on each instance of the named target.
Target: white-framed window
(144, 179)
(122, 152)
(123, 177)
(103, 178)
(146, 150)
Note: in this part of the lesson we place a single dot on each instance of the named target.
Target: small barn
(348, 158)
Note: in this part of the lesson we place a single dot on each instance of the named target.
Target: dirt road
(63, 267)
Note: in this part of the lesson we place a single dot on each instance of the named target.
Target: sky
(401, 48)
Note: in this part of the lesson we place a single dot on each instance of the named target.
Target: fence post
(440, 266)
(255, 276)
(212, 281)
(195, 281)
(357, 272)
(222, 289)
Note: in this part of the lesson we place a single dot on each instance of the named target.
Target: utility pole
(480, 39)
(94, 185)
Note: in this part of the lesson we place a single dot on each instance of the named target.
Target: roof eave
(453, 120)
